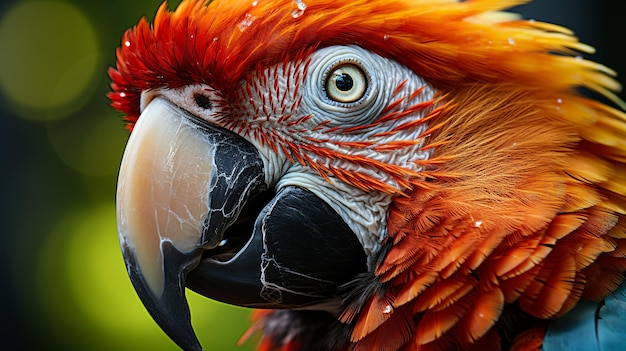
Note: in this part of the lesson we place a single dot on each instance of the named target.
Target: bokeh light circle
(49, 57)
(91, 144)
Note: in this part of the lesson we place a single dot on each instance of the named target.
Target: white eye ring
(348, 106)
(346, 83)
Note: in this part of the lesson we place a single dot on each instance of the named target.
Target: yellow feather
(519, 159)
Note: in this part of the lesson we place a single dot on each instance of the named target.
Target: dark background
(63, 284)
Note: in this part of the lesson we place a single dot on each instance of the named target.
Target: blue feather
(612, 322)
(591, 326)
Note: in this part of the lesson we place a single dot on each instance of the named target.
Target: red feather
(523, 200)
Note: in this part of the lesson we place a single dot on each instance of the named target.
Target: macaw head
(343, 157)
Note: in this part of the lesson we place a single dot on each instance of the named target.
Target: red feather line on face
(443, 41)
(189, 46)
(524, 197)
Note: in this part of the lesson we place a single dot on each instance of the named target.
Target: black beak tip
(169, 309)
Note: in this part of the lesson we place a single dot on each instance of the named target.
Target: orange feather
(435, 323)
(376, 311)
(482, 315)
(524, 197)
(529, 340)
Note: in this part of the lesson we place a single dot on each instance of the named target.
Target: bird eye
(346, 83)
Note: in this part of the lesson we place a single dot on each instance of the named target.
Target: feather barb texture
(521, 210)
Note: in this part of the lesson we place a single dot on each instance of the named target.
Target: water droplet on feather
(300, 7)
(246, 22)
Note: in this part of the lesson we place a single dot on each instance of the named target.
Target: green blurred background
(63, 282)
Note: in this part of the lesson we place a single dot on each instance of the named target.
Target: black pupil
(203, 101)
(344, 82)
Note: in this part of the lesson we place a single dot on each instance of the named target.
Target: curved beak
(192, 211)
(182, 182)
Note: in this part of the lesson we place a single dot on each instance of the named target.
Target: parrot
(373, 175)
